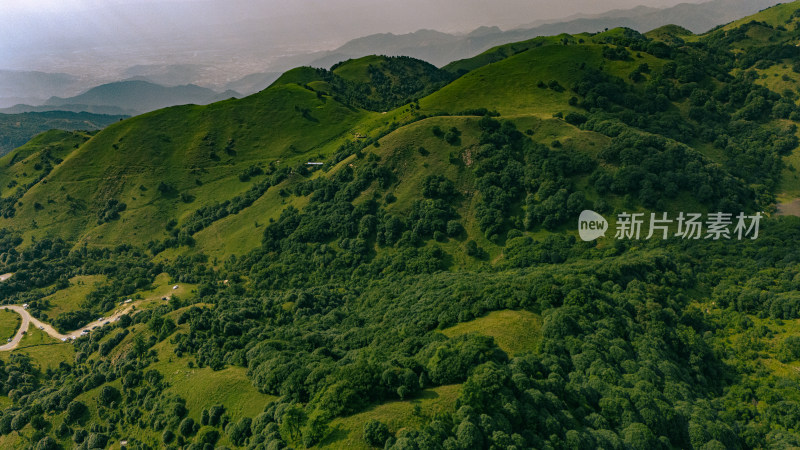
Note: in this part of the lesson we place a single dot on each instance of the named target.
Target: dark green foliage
(72, 320)
(453, 136)
(616, 53)
(108, 395)
(110, 211)
(473, 250)
(47, 443)
(167, 436)
(393, 82)
(75, 411)
(789, 349)
(375, 433)
(186, 427)
(239, 431)
(107, 346)
(575, 118)
(250, 172)
(437, 186)
(207, 436)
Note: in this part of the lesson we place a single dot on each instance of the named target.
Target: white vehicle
(9, 340)
(174, 287)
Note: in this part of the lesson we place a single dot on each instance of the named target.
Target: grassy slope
(514, 331)
(776, 15)
(70, 299)
(513, 88)
(356, 69)
(128, 160)
(44, 351)
(347, 432)
(17, 167)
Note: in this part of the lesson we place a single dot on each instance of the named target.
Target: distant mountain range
(129, 97)
(441, 48)
(35, 87)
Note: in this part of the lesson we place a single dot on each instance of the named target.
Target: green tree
(108, 395)
(375, 433)
(186, 427)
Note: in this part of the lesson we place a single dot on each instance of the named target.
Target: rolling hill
(385, 254)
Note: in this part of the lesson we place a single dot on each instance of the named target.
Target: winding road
(27, 319)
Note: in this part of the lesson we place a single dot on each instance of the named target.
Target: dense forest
(381, 256)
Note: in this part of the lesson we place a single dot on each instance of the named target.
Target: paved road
(27, 319)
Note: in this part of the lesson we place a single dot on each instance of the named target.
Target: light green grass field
(9, 324)
(44, 351)
(347, 432)
(70, 299)
(514, 332)
(514, 89)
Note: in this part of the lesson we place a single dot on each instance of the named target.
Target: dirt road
(27, 320)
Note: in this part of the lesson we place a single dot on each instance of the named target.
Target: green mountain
(17, 129)
(385, 254)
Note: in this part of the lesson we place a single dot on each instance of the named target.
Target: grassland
(515, 332)
(69, 299)
(9, 324)
(44, 351)
(347, 432)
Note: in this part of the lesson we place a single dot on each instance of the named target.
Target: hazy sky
(31, 24)
(400, 16)
(40, 34)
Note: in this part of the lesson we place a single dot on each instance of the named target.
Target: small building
(314, 163)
